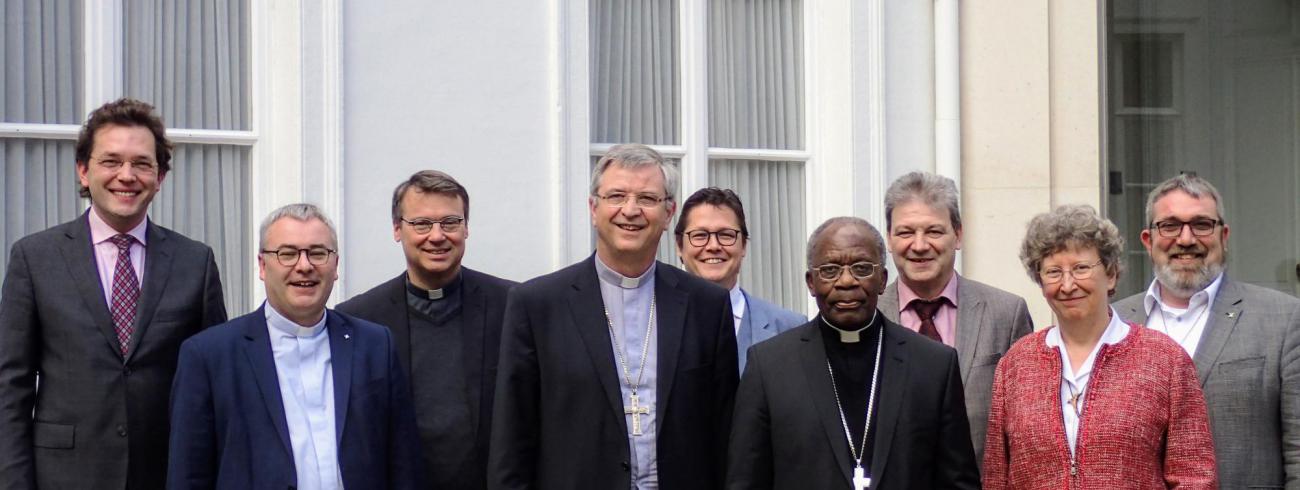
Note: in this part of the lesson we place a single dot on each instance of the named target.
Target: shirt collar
(433, 294)
(738, 301)
(1203, 297)
(906, 295)
(611, 277)
(1115, 331)
(286, 326)
(100, 231)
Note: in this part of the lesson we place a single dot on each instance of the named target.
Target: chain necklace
(860, 481)
(635, 409)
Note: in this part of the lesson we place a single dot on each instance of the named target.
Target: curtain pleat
(773, 194)
(634, 71)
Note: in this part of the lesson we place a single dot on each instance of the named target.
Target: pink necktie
(126, 292)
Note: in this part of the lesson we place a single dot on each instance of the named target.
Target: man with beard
(850, 399)
(1244, 339)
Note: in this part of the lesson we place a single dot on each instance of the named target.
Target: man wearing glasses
(92, 315)
(446, 324)
(1244, 339)
(618, 371)
(850, 399)
(712, 239)
(293, 395)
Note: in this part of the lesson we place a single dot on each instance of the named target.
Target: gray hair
(1071, 226)
(1190, 183)
(429, 182)
(301, 212)
(933, 190)
(633, 155)
(837, 222)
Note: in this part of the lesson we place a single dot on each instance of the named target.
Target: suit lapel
(760, 322)
(341, 347)
(812, 360)
(79, 254)
(262, 360)
(157, 269)
(887, 303)
(397, 319)
(970, 319)
(1223, 318)
(671, 325)
(894, 375)
(473, 326)
(587, 307)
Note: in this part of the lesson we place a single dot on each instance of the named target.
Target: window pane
(40, 188)
(756, 86)
(1211, 88)
(634, 66)
(773, 195)
(205, 197)
(40, 49)
(189, 58)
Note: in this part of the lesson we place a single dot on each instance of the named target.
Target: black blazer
(100, 420)
(788, 434)
(559, 419)
(483, 305)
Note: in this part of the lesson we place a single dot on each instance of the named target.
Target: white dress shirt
(1184, 325)
(302, 366)
(1072, 382)
(106, 252)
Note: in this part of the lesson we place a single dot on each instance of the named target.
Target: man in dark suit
(92, 316)
(1244, 339)
(617, 372)
(293, 395)
(446, 324)
(850, 399)
(712, 240)
(923, 220)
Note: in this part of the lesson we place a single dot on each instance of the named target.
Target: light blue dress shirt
(306, 377)
(627, 299)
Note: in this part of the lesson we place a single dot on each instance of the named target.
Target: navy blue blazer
(228, 427)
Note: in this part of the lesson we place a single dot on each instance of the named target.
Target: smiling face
(298, 292)
(121, 195)
(847, 302)
(714, 262)
(433, 258)
(1078, 300)
(925, 246)
(1186, 263)
(629, 234)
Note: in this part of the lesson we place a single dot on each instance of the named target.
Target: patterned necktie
(126, 292)
(925, 310)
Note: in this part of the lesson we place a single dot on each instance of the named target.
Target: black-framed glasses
(450, 224)
(1171, 228)
(142, 166)
(1078, 271)
(859, 270)
(726, 237)
(620, 199)
(288, 256)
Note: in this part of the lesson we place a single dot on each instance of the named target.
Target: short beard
(1184, 284)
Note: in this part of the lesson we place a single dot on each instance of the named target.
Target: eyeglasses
(1200, 227)
(450, 224)
(726, 237)
(288, 256)
(139, 166)
(1078, 271)
(860, 270)
(619, 199)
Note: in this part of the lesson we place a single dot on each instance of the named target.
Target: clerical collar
(433, 294)
(852, 336)
(277, 321)
(609, 276)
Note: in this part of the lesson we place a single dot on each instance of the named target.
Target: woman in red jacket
(1093, 402)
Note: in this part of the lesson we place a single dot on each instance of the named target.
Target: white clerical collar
(277, 321)
(1203, 297)
(614, 278)
(737, 301)
(851, 336)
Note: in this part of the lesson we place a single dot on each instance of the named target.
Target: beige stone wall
(1031, 134)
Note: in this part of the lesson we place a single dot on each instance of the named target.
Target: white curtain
(773, 195)
(634, 71)
(40, 49)
(190, 59)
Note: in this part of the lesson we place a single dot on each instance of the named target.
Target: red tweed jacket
(1144, 422)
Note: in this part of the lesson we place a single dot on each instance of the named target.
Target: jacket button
(126, 371)
(626, 467)
(121, 430)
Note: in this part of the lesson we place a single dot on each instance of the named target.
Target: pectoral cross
(636, 410)
(1074, 402)
(860, 480)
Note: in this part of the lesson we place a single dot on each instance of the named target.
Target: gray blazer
(989, 320)
(100, 419)
(1248, 362)
(762, 321)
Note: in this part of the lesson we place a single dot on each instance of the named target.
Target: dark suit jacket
(989, 321)
(1248, 362)
(787, 432)
(483, 303)
(559, 419)
(228, 423)
(100, 420)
